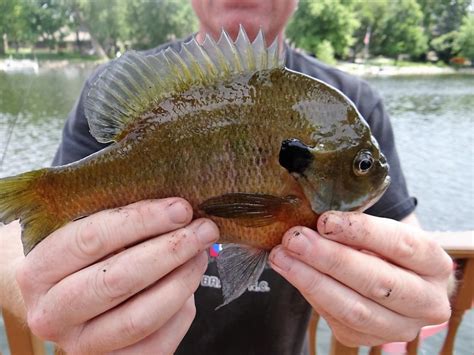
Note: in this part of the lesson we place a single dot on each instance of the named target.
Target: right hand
(120, 280)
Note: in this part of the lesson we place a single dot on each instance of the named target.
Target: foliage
(444, 45)
(465, 39)
(325, 52)
(47, 19)
(152, 23)
(13, 22)
(442, 20)
(327, 28)
(317, 21)
(402, 29)
(112, 24)
(371, 15)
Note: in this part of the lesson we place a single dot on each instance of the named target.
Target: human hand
(373, 279)
(118, 281)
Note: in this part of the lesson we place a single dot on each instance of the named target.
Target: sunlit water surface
(432, 118)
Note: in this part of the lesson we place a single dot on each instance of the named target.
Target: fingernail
(332, 224)
(178, 212)
(298, 242)
(281, 259)
(207, 232)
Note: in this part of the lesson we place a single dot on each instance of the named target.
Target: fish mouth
(376, 195)
(359, 206)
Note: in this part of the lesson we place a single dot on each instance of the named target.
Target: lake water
(432, 117)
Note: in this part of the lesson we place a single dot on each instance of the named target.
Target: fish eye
(363, 162)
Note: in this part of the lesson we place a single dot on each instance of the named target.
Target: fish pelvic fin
(19, 200)
(132, 85)
(250, 210)
(239, 267)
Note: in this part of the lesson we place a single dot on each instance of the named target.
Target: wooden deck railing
(460, 246)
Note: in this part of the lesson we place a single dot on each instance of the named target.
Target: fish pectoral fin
(239, 267)
(250, 210)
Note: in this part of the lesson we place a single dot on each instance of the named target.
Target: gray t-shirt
(272, 317)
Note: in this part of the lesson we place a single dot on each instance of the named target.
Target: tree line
(342, 29)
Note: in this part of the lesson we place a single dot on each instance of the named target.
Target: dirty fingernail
(298, 242)
(332, 223)
(207, 232)
(178, 213)
(281, 259)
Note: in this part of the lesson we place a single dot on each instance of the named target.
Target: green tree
(48, 20)
(317, 21)
(402, 31)
(464, 42)
(154, 22)
(442, 20)
(371, 15)
(14, 23)
(105, 20)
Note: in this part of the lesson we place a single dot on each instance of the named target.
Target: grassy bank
(50, 56)
(389, 67)
(372, 67)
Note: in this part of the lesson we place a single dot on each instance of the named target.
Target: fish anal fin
(239, 267)
(250, 210)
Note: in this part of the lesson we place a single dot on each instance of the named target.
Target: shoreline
(366, 70)
(370, 70)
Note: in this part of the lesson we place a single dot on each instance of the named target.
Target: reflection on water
(39, 104)
(432, 119)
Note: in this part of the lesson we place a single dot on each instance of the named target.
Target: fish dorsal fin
(135, 83)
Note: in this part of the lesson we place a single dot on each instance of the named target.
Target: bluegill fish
(252, 145)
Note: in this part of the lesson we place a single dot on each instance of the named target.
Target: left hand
(373, 279)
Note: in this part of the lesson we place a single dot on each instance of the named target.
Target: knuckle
(89, 239)
(190, 282)
(190, 311)
(177, 242)
(23, 275)
(381, 287)
(41, 325)
(349, 340)
(439, 314)
(408, 333)
(136, 328)
(113, 284)
(446, 265)
(335, 260)
(136, 218)
(312, 284)
(357, 315)
(407, 246)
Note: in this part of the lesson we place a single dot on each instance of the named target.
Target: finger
(167, 338)
(145, 313)
(339, 301)
(403, 244)
(81, 243)
(102, 286)
(384, 283)
(351, 337)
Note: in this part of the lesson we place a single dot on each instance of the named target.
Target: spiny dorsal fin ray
(133, 84)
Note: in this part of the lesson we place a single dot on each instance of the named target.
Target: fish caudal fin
(239, 267)
(18, 200)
